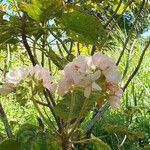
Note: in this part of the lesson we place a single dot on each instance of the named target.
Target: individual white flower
(101, 61)
(16, 75)
(64, 84)
(43, 75)
(12, 79)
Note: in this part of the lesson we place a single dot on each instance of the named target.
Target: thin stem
(130, 33)
(77, 122)
(59, 49)
(25, 42)
(124, 139)
(42, 116)
(128, 59)
(41, 103)
(96, 117)
(71, 110)
(137, 67)
(62, 43)
(52, 109)
(78, 48)
(113, 15)
(81, 141)
(5, 122)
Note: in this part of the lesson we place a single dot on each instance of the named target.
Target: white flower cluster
(97, 72)
(16, 75)
(93, 73)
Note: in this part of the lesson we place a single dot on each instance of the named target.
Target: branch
(128, 59)
(62, 43)
(77, 122)
(47, 94)
(113, 15)
(52, 104)
(27, 47)
(130, 33)
(25, 42)
(137, 67)
(41, 103)
(5, 122)
(98, 114)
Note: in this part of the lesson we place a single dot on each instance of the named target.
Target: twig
(5, 122)
(51, 106)
(78, 48)
(96, 117)
(137, 67)
(59, 49)
(130, 33)
(128, 59)
(113, 15)
(62, 43)
(47, 94)
(93, 50)
(124, 139)
(77, 122)
(71, 46)
(41, 103)
(25, 43)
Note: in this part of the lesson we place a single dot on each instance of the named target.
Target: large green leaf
(63, 108)
(42, 10)
(9, 145)
(83, 27)
(122, 131)
(32, 137)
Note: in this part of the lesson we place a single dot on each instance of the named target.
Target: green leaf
(84, 28)
(9, 144)
(59, 62)
(122, 131)
(24, 91)
(147, 147)
(42, 10)
(63, 108)
(33, 137)
(99, 143)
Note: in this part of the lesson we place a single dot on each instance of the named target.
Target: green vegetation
(52, 33)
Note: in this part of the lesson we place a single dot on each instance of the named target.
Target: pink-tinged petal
(87, 91)
(16, 75)
(119, 93)
(114, 101)
(63, 87)
(96, 87)
(112, 75)
(80, 62)
(97, 58)
(90, 63)
(43, 75)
